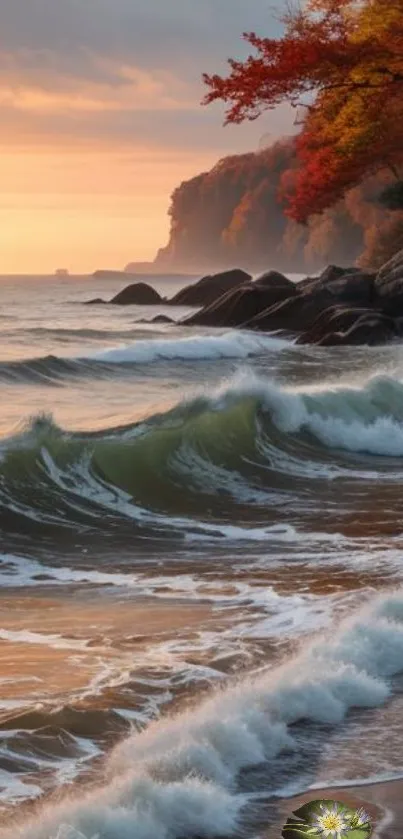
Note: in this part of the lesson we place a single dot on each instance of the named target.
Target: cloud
(123, 71)
(150, 34)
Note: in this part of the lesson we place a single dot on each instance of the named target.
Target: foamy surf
(178, 778)
(56, 369)
(239, 345)
(367, 419)
(147, 558)
(243, 445)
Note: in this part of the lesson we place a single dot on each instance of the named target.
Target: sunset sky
(100, 120)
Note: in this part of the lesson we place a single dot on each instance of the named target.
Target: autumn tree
(342, 62)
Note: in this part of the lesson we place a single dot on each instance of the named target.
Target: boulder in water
(137, 294)
(157, 319)
(346, 325)
(238, 305)
(353, 287)
(333, 319)
(294, 314)
(210, 288)
(299, 312)
(161, 319)
(372, 329)
(96, 301)
(273, 279)
(335, 272)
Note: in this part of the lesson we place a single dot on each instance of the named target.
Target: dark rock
(137, 294)
(238, 305)
(308, 283)
(271, 279)
(162, 319)
(389, 286)
(299, 312)
(294, 314)
(96, 301)
(157, 319)
(334, 272)
(356, 287)
(333, 319)
(210, 288)
(372, 329)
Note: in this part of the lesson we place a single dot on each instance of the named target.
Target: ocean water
(201, 578)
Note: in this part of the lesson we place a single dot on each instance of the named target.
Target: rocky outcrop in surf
(298, 312)
(244, 302)
(342, 306)
(210, 288)
(340, 325)
(135, 294)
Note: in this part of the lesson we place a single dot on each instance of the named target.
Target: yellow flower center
(332, 821)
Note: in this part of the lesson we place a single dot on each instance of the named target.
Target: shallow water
(201, 600)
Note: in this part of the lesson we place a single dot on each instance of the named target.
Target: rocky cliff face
(234, 215)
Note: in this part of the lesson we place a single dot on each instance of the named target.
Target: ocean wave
(253, 444)
(204, 348)
(101, 334)
(53, 369)
(179, 776)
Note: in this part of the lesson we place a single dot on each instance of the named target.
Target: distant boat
(62, 272)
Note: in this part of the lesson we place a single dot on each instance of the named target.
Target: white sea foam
(17, 571)
(57, 642)
(200, 347)
(367, 419)
(178, 777)
(13, 789)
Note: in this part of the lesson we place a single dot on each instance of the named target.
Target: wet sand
(58, 649)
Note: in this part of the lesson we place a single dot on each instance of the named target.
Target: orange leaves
(344, 59)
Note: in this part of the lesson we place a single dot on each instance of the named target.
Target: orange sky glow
(101, 119)
(83, 210)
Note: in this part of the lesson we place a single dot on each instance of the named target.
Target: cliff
(234, 215)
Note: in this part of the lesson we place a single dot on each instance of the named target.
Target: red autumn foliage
(344, 61)
(232, 215)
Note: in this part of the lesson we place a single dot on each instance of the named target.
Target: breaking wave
(52, 369)
(180, 776)
(248, 445)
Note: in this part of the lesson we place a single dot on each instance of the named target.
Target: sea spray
(178, 777)
(245, 444)
(52, 370)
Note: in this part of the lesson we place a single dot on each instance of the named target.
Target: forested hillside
(234, 214)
